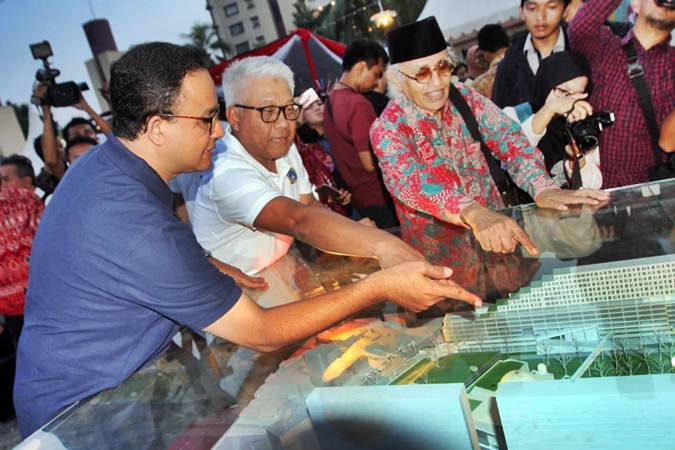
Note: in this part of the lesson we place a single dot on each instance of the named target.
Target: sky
(24, 22)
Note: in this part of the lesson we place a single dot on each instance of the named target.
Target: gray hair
(237, 77)
(396, 78)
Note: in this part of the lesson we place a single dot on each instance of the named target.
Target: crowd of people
(164, 222)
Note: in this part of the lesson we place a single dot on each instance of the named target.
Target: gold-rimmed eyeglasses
(270, 113)
(444, 68)
(210, 120)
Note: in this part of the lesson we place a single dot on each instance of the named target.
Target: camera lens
(586, 143)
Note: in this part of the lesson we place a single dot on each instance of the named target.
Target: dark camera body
(586, 132)
(65, 94)
(58, 94)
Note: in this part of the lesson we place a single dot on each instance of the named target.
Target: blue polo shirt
(112, 275)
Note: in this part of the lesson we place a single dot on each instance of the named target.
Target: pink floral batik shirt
(433, 168)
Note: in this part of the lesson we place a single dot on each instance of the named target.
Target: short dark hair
(24, 168)
(77, 121)
(565, 2)
(492, 37)
(146, 81)
(79, 140)
(363, 49)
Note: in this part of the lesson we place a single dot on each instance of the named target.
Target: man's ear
(395, 79)
(154, 130)
(233, 115)
(360, 67)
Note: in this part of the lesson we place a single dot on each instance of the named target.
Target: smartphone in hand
(326, 190)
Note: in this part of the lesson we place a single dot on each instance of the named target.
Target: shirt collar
(558, 47)
(630, 35)
(138, 169)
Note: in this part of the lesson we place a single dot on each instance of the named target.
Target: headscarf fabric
(558, 68)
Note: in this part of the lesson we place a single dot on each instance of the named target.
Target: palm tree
(204, 37)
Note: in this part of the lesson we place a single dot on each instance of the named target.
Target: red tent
(315, 60)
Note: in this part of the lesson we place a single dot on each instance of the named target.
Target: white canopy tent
(457, 17)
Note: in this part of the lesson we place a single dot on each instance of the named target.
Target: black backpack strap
(636, 75)
(470, 120)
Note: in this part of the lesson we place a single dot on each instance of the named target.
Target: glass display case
(596, 305)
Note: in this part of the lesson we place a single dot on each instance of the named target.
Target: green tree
(304, 17)
(203, 36)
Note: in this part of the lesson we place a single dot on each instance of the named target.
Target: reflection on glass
(597, 302)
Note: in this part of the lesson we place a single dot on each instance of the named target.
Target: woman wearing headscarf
(561, 84)
(314, 150)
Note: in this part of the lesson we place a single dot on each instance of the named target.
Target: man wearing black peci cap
(432, 165)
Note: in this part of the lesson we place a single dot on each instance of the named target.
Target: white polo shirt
(232, 194)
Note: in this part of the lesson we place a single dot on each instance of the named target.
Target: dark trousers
(14, 325)
(383, 216)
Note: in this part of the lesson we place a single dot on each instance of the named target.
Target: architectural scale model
(588, 322)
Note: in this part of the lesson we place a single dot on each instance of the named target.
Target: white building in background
(11, 136)
(248, 24)
(105, 59)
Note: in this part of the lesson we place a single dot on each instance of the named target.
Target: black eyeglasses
(270, 113)
(444, 68)
(210, 120)
(562, 92)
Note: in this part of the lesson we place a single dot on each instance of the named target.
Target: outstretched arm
(331, 232)
(48, 143)
(103, 124)
(413, 285)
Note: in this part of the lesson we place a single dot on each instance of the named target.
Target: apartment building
(247, 24)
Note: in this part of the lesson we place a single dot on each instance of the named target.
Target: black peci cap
(416, 40)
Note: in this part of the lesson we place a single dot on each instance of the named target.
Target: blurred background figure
(348, 116)
(378, 96)
(316, 156)
(544, 36)
(461, 71)
(20, 211)
(475, 60)
(494, 42)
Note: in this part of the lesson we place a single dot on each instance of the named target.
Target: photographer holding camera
(49, 93)
(562, 115)
(629, 150)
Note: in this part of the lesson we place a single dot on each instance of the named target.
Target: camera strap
(636, 75)
(504, 185)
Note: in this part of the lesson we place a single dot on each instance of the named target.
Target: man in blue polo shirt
(114, 273)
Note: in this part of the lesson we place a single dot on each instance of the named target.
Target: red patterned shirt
(20, 211)
(433, 169)
(625, 147)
